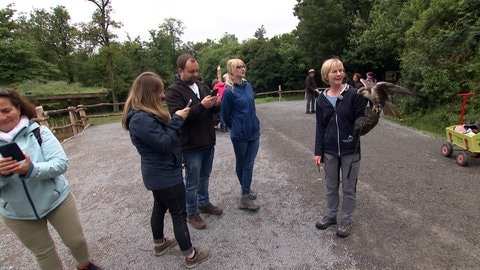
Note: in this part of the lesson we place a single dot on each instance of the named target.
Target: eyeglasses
(241, 67)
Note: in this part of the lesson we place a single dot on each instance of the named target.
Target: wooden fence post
(279, 93)
(83, 116)
(40, 116)
(73, 119)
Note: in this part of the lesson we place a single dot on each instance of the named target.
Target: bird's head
(367, 89)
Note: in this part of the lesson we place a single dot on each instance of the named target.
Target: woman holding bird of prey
(337, 143)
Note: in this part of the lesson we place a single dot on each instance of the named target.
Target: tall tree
(260, 33)
(445, 61)
(322, 29)
(55, 38)
(99, 33)
(19, 60)
(164, 45)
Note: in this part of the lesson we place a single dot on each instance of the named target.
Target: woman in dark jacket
(336, 145)
(156, 136)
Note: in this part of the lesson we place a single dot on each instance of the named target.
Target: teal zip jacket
(44, 187)
(239, 112)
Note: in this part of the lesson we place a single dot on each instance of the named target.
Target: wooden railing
(77, 119)
(279, 92)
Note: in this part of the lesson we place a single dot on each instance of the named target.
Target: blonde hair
(146, 95)
(328, 66)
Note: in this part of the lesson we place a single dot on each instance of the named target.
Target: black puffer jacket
(198, 131)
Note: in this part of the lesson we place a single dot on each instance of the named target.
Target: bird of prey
(378, 93)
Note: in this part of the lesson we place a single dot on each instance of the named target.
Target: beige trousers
(35, 236)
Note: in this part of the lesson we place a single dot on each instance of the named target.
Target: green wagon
(466, 144)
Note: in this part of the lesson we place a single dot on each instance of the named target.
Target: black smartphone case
(12, 150)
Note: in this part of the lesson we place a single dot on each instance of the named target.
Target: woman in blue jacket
(336, 145)
(34, 191)
(239, 113)
(156, 136)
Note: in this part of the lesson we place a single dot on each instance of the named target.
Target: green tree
(260, 33)
(217, 54)
(19, 60)
(164, 45)
(445, 61)
(99, 33)
(322, 30)
(55, 38)
(7, 25)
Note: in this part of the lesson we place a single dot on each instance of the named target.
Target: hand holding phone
(12, 150)
(214, 92)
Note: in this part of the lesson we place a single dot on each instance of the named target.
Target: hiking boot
(90, 266)
(196, 221)
(252, 195)
(210, 209)
(247, 204)
(344, 230)
(161, 249)
(201, 254)
(325, 223)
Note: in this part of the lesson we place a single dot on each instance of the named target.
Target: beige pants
(35, 236)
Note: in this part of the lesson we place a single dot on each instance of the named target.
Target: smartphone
(214, 92)
(12, 150)
(189, 103)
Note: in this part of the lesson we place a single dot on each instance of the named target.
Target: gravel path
(415, 209)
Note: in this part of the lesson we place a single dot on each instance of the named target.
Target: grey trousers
(343, 170)
(35, 236)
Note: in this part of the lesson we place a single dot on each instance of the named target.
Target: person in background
(34, 191)
(356, 80)
(221, 85)
(347, 80)
(161, 163)
(371, 77)
(335, 145)
(310, 88)
(197, 136)
(239, 113)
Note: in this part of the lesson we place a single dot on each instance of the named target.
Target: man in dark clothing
(310, 88)
(197, 138)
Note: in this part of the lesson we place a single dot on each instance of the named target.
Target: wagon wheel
(447, 149)
(463, 158)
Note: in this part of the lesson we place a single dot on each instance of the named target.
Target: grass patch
(104, 120)
(32, 88)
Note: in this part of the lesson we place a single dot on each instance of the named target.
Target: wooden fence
(78, 118)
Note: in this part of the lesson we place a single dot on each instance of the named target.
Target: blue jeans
(173, 200)
(198, 166)
(245, 154)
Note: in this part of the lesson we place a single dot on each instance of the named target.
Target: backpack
(36, 132)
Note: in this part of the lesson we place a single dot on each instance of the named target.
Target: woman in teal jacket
(34, 191)
(239, 113)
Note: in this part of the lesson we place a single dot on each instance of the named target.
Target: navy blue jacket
(239, 112)
(159, 147)
(334, 131)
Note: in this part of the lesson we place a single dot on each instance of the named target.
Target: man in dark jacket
(310, 88)
(197, 138)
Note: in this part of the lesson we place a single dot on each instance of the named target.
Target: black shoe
(344, 230)
(325, 223)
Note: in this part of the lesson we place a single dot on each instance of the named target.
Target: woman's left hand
(9, 166)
